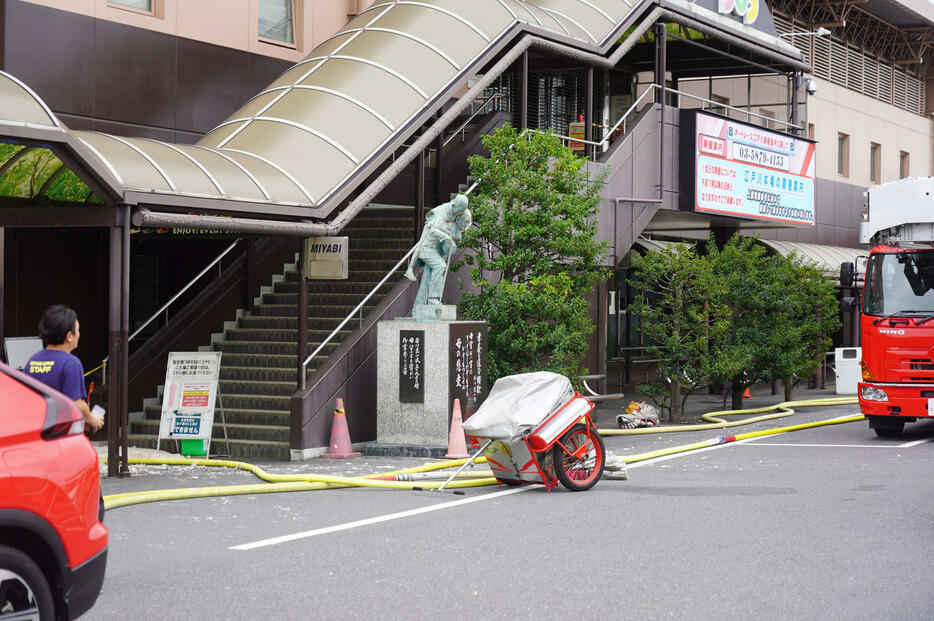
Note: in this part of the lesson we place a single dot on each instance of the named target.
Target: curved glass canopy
(307, 133)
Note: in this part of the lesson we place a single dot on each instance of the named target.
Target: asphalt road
(827, 523)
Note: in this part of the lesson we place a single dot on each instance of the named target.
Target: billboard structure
(737, 169)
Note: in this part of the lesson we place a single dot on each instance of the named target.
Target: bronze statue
(444, 226)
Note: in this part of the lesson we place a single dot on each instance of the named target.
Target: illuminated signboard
(738, 169)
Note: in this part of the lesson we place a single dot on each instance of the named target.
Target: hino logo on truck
(890, 331)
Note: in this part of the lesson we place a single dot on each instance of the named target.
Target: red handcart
(537, 429)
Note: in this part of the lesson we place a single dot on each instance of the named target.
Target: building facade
(144, 139)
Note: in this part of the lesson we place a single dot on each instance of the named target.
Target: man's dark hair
(56, 322)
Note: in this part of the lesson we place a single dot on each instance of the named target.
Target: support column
(723, 233)
(248, 275)
(794, 101)
(439, 148)
(124, 343)
(420, 186)
(302, 309)
(524, 92)
(661, 61)
(588, 112)
(118, 322)
(661, 64)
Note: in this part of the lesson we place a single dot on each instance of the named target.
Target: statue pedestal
(422, 366)
(434, 312)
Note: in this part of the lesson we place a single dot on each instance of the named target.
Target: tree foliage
(680, 320)
(734, 315)
(534, 255)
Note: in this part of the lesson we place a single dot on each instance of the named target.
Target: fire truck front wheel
(886, 426)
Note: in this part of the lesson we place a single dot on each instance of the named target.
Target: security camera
(811, 87)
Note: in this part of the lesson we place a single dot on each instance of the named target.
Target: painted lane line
(914, 443)
(381, 518)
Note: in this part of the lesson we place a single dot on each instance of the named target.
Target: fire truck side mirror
(847, 275)
(847, 304)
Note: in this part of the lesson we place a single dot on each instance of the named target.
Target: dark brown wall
(104, 76)
(58, 266)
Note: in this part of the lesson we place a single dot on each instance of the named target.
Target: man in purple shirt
(56, 366)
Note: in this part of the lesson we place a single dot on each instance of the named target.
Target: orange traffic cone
(746, 394)
(457, 446)
(340, 447)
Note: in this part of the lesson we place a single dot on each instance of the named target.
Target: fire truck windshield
(900, 283)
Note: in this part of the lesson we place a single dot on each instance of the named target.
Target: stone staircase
(259, 363)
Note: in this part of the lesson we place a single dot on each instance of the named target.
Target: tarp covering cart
(538, 430)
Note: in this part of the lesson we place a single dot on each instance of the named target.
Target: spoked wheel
(579, 457)
(24, 591)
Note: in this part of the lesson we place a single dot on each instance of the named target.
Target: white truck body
(900, 212)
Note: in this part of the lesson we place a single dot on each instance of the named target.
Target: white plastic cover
(517, 403)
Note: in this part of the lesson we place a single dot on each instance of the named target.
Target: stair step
(359, 276)
(260, 361)
(230, 388)
(263, 322)
(267, 433)
(246, 374)
(263, 347)
(280, 306)
(234, 416)
(279, 335)
(238, 448)
(256, 402)
(392, 246)
(329, 310)
(400, 231)
(331, 287)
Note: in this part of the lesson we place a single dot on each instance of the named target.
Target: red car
(53, 546)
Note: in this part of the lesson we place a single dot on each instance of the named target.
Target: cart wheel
(579, 457)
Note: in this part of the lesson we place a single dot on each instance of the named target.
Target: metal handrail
(175, 297)
(651, 88)
(471, 117)
(748, 113)
(328, 338)
(629, 111)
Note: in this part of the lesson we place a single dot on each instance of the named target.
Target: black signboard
(412, 366)
(468, 373)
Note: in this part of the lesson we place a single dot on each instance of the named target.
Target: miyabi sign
(747, 9)
(746, 170)
(326, 258)
(190, 392)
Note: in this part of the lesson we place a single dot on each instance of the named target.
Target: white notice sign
(190, 393)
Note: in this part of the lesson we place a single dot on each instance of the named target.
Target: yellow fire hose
(715, 421)
(308, 482)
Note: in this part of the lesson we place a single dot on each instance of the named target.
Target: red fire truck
(897, 323)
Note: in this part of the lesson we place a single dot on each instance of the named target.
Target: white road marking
(915, 443)
(380, 518)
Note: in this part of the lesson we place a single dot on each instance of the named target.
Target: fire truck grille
(925, 365)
